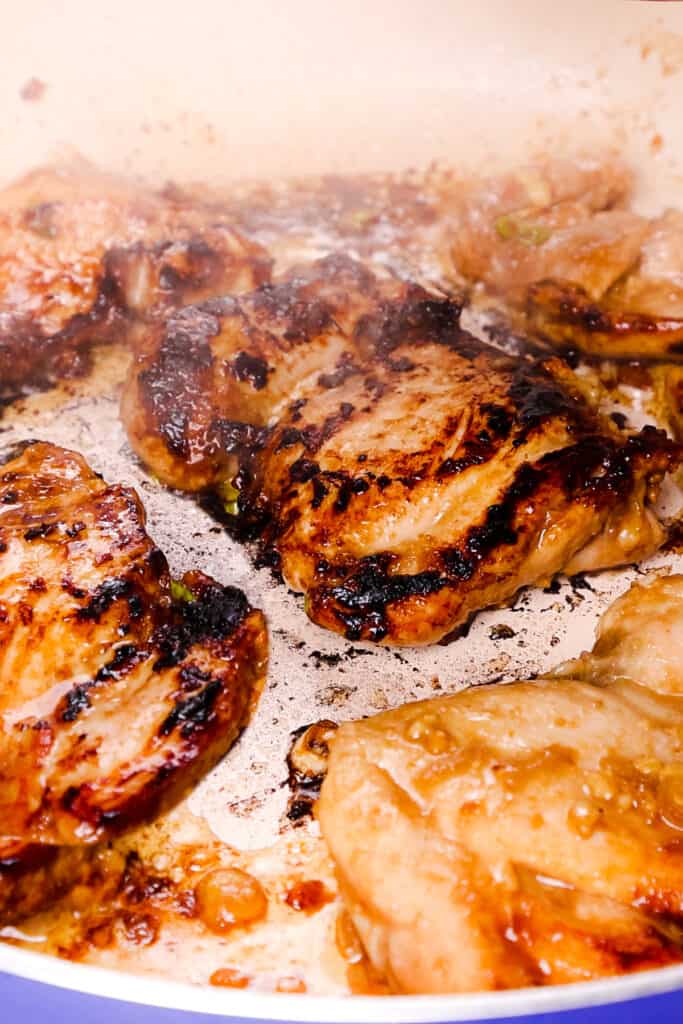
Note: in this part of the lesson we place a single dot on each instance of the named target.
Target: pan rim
(161, 993)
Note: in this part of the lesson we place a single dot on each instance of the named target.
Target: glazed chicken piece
(651, 655)
(85, 256)
(209, 383)
(523, 834)
(576, 267)
(407, 473)
(667, 396)
(118, 687)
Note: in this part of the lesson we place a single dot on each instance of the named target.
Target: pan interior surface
(241, 93)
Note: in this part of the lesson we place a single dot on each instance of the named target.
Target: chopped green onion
(229, 495)
(361, 218)
(506, 227)
(509, 227)
(179, 592)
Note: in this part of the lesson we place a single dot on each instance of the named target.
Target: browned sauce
(230, 977)
(229, 897)
(674, 543)
(308, 896)
(364, 980)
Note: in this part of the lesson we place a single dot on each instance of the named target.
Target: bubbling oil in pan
(237, 875)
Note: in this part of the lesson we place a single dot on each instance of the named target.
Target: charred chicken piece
(523, 834)
(84, 257)
(118, 688)
(576, 267)
(209, 384)
(408, 474)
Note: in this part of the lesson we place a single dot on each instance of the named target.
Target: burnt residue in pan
(307, 764)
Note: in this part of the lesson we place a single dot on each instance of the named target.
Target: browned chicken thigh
(118, 688)
(84, 256)
(523, 834)
(575, 266)
(408, 474)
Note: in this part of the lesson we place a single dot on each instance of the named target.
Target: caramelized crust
(211, 381)
(85, 256)
(565, 315)
(114, 695)
(522, 834)
(408, 474)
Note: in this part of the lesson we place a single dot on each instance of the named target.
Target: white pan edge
(161, 993)
(545, 65)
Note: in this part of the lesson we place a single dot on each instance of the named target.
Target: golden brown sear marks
(84, 257)
(118, 688)
(403, 473)
(211, 380)
(526, 834)
(577, 268)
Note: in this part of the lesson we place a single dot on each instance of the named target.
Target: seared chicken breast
(84, 256)
(118, 687)
(407, 473)
(523, 834)
(575, 265)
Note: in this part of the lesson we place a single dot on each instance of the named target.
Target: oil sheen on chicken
(403, 473)
(525, 834)
(117, 687)
(576, 265)
(85, 256)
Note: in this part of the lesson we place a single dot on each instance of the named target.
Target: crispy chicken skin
(84, 256)
(579, 269)
(407, 473)
(114, 694)
(522, 834)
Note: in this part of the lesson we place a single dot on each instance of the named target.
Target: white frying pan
(215, 91)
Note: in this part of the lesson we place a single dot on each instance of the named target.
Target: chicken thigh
(527, 833)
(118, 687)
(404, 474)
